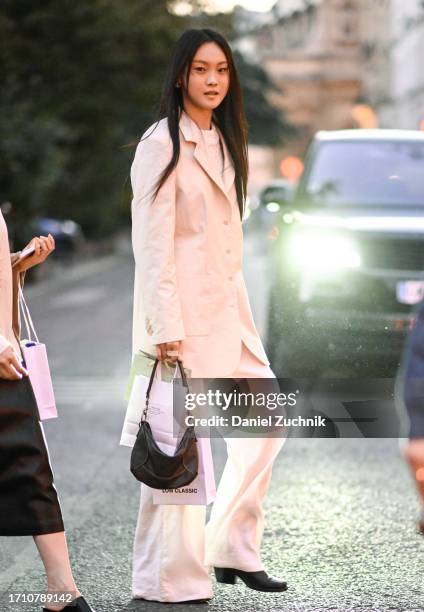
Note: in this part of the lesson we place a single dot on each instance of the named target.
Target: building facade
(335, 59)
(312, 50)
(375, 28)
(405, 108)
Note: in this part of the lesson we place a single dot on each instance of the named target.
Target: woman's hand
(10, 368)
(44, 246)
(163, 350)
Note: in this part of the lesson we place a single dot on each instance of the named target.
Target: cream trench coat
(188, 246)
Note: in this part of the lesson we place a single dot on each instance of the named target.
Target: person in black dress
(28, 499)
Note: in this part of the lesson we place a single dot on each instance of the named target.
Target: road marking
(76, 273)
(78, 297)
(88, 389)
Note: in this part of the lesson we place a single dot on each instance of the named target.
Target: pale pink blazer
(9, 319)
(188, 246)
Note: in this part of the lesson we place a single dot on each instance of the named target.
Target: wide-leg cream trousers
(172, 548)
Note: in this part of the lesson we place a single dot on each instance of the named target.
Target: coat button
(226, 222)
(228, 251)
(230, 278)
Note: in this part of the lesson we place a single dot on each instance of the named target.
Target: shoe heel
(225, 575)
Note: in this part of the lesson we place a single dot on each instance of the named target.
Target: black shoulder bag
(153, 467)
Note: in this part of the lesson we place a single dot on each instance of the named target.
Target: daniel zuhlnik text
(273, 420)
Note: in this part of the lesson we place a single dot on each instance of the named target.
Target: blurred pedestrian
(28, 499)
(189, 180)
(413, 397)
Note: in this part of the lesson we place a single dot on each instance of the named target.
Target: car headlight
(273, 207)
(323, 252)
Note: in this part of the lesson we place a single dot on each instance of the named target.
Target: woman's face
(209, 77)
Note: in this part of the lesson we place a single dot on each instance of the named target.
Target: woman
(189, 181)
(28, 499)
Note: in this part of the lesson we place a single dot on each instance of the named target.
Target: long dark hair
(229, 115)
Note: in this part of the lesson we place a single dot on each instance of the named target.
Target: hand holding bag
(142, 365)
(165, 421)
(37, 364)
(154, 467)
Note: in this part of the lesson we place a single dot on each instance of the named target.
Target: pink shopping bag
(200, 492)
(37, 364)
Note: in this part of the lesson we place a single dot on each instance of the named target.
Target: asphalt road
(340, 513)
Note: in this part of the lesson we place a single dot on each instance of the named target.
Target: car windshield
(384, 173)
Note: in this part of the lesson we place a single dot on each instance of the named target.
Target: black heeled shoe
(259, 581)
(78, 605)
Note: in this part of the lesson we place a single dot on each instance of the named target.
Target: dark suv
(348, 264)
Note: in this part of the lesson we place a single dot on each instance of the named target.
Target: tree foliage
(79, 81)
(267, 125)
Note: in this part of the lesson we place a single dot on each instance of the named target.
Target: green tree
(267, 125)
(78, 78)
(79, 81)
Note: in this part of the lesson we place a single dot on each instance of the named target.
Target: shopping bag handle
(29, 324)
(152, 378)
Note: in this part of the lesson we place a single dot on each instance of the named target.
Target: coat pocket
(195, 299)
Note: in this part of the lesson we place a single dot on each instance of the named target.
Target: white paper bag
(161, 408)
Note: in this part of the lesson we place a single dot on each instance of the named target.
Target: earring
(177, 85)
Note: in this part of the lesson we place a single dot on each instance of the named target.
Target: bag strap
(180, 369)
(29, 324)
(152, 378)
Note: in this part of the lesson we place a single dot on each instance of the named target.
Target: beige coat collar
(192, 133)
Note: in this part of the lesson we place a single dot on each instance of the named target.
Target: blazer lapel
(192, 133)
